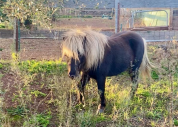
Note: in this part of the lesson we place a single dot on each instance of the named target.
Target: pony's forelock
(95, 43)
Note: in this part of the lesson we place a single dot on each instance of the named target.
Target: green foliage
(42, 66)
(17, 113)
(88, 119)
(153, 115)
(38, 93)
(28, 23)
(2, 25)
(1, 66)
(154, 75)
(38, 120)
(40, 11)
(2, 15)
(176, 122)
(144, 93)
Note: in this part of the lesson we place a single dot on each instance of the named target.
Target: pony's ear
(84, 42)
(85, 39)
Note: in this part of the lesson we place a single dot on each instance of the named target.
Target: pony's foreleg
(81, 86)
(134, 78)
(101, 90)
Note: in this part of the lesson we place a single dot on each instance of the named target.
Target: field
(35, 90)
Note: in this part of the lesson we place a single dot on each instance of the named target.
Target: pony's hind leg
(134, 77)
(81, 86)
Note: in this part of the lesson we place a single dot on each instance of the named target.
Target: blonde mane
(93, 49)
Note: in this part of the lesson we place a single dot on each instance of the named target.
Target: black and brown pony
(98, 56)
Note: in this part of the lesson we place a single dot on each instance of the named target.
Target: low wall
(25, 33)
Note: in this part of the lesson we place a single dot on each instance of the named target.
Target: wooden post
(17, 35)
(118, 18)
(171, 19)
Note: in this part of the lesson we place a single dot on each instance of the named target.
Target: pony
(94, 55)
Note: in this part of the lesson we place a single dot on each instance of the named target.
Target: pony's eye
(63, 38)
(79, 55)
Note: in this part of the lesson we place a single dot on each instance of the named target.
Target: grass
(40, 94)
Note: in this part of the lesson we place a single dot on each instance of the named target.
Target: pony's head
(84, 50)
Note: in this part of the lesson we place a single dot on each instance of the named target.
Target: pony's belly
(115, 71)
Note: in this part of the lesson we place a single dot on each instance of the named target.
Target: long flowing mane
(89, 43)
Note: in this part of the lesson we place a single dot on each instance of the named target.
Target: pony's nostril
(71, 76)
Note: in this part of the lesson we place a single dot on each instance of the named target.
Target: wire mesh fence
(40, 43)
(36, 49)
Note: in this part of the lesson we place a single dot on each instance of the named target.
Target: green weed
(88, 119)
(176, 122)
(42, 66)
(17, 113)
(38, 120)
(1, 66)
(38, 93)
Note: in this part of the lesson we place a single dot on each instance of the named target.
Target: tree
(2, 15)
(38, 11)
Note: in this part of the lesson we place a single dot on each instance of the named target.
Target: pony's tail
(146, 65)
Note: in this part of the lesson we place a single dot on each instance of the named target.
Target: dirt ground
(31, 49)
(94, 23)
(36, 49)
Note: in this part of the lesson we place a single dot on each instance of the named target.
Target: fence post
(17, 34)
(118, 18)
(117, 15)
(171, 19)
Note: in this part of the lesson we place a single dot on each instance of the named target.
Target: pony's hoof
(100, 110)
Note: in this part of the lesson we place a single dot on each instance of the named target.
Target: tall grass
(41, 94)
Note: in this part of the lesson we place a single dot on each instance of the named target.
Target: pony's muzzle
(73, 75)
